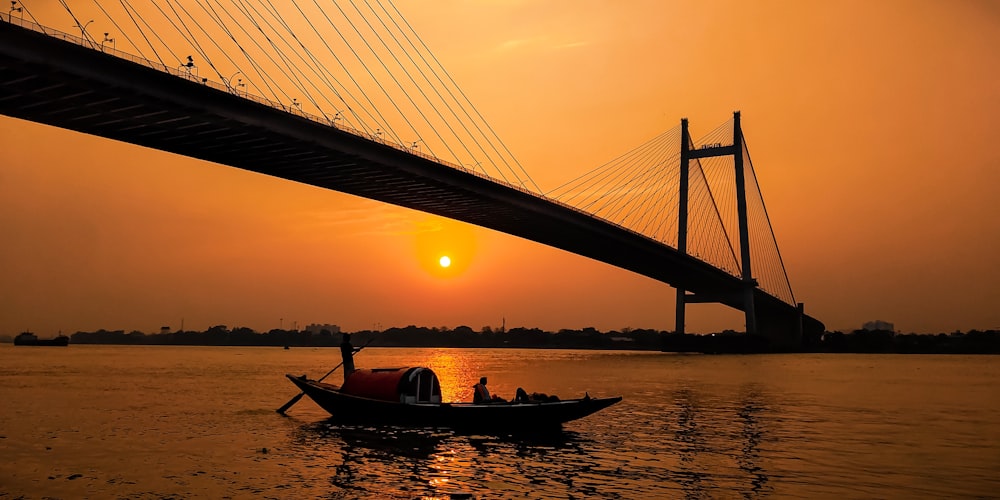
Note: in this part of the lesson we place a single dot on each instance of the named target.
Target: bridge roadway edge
(103, 95)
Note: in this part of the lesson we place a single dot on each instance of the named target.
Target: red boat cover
(381, 383)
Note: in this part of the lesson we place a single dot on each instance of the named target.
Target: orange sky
(870, 125)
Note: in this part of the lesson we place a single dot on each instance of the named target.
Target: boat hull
(346, 408)
(58, 342)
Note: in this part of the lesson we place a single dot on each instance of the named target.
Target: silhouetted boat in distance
(412, 397)
(28, 338)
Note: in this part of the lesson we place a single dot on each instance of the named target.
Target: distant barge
(28, 338)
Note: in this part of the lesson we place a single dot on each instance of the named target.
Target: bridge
(74, 82)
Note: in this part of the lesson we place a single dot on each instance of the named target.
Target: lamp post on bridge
(106, 40)
(14, 8)
(189, 66)
(83, 30)
(478, 164)
(229, 82)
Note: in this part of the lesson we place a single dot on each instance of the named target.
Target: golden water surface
(199, 422)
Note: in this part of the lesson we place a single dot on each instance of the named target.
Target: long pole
(296, 399)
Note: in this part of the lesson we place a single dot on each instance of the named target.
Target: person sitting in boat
(521, 396)
(480, 393)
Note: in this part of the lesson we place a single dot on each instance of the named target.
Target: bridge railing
(191, 73)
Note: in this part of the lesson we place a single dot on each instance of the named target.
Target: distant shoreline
(858, 341)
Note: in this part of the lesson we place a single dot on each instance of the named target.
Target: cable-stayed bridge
(398, 130)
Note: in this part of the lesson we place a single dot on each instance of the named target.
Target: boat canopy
(405, 385)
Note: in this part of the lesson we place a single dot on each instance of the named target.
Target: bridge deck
(50, 81)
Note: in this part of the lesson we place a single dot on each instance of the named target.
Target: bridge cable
(293, 70)
(318, 69)
(380, 119)
(266, 77)
(613, 177)
(656, 214)
(567, 187)
(639, 185)
(143, 33)
(713, 200)
(119, 28)
(271, 9)
(257, 67)
(372, 75)
(213, 15)
(706, 168)
(87, 38)
(462, 93)
(153, 31)
(418, 87)
(623, 176)
(450, 93)
(245, 10)
(384, 44)
(704, 211)
(448, 105)
(708, 210)
(780, 262)
(729, 260)
(385, 123)
(194, 41)
(661, 225)
(32, 16)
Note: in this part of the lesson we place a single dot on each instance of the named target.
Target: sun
(444, 249)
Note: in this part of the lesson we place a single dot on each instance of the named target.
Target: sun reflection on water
(455, 374)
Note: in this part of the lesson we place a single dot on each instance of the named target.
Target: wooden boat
(412, 397)
(371, 397)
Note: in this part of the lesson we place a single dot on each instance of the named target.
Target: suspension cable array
(359, 65)
(638, 190)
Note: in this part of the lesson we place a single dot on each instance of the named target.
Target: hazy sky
(872, 126)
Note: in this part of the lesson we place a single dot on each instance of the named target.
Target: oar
(296, 399)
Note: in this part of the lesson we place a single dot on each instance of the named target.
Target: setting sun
(445, 261)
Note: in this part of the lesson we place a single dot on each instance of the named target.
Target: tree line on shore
(858, 341)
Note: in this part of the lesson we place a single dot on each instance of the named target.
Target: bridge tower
(748, 282)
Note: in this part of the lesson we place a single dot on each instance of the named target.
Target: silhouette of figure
(521, 396)
(347, 354)
(480, 393)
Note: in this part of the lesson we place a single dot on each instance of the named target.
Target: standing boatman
(347, 354)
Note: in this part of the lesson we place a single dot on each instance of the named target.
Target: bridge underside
(46, 80)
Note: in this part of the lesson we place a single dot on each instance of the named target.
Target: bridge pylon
(748, 283)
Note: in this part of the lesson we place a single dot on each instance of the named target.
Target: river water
(154, 422)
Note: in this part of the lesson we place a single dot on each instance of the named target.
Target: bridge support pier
(749, 283)
(785, 331)
(682, 219)
(736, 150)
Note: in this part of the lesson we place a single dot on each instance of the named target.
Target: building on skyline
(878, 325)
(317, 329)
